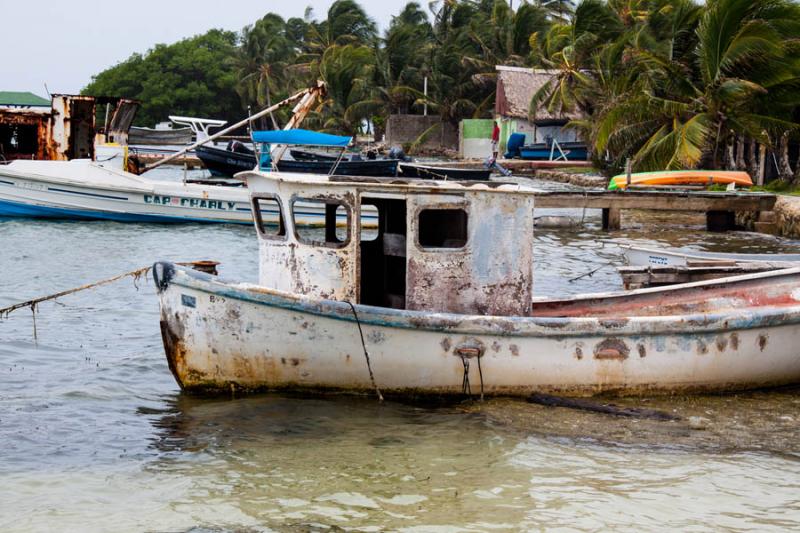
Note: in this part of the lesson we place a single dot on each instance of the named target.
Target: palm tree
(263, 55)
(743, 80)
(569, 49)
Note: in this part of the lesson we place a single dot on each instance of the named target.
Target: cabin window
(321, 222)
(268, 217)
(442, 228)
(369, 222)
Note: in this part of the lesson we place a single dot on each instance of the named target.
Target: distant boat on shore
(159, 136)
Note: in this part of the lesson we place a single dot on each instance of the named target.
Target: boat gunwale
(521, 326)
(788, 261)
(371, 184)
(148, 185)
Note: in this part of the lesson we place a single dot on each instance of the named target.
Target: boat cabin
(442, 246)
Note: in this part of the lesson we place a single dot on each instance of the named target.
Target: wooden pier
(720, 207)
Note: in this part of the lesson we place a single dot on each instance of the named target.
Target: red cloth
(496, 133)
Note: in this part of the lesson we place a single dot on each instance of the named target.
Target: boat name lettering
(201, 203)
(31, 185)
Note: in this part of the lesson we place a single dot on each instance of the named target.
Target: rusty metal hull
(220, 335)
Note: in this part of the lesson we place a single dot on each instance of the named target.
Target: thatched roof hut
(515, 88)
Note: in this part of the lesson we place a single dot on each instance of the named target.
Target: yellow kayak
(682, 177)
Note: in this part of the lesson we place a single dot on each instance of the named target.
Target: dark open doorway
(383, 254)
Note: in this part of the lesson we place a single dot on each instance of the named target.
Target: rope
(465, 388)
(136, 274)
(480, 373)
(366, 353)
(4, 312)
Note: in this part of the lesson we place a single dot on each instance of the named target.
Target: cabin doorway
(383, 252)
(81, 122)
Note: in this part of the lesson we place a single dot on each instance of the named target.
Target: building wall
(475, 138)
(405, 129)
(533, 133)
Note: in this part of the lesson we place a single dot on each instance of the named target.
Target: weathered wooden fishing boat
(649, 267)
(84, 189)
(417, 170)
(660, 257)
(440, 302)
(638, 277)
(225, 162)
(410, 169)
(160, 136)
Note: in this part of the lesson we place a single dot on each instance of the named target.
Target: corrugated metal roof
(26, 99)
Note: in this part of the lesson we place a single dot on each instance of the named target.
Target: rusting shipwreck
(439, 300)
(64, 131)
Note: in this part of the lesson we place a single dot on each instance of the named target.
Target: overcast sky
(64, 42)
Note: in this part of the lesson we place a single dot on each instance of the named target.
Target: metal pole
(230, 128)
(425, 91)
(105, 125)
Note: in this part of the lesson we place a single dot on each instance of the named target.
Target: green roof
(22, 99)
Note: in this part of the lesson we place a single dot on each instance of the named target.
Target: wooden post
(612, 218)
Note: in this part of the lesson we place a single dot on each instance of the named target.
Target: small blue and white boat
(89, 190)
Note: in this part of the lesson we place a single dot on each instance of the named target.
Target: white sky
(64, 42)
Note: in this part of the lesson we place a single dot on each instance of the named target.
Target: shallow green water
(95, 436)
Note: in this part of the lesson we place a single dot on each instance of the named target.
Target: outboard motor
(396, 152)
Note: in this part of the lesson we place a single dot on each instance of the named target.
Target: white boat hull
(85, 190)
(652, 257)
(223, 336)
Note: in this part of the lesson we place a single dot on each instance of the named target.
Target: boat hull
(682, 177)
(414, 170)
(572, 151)
(73, 190)
(638, 256)
(227, 163)
(149, 136)
(85, 191)
(220, 336)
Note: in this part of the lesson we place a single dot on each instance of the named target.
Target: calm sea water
(95, 435)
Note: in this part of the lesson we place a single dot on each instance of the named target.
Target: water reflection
(296, 464)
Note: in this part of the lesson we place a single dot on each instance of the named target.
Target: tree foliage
(668, 83)
(192, 77)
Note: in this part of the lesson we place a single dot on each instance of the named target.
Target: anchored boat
(440, 301)
(238, 158)
(76, 184)
(658, 257)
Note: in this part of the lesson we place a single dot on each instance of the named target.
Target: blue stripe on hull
(15, 209)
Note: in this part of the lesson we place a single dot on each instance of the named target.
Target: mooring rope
(32, 303)
(366, 353)
(465, 388)
(4, 312)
